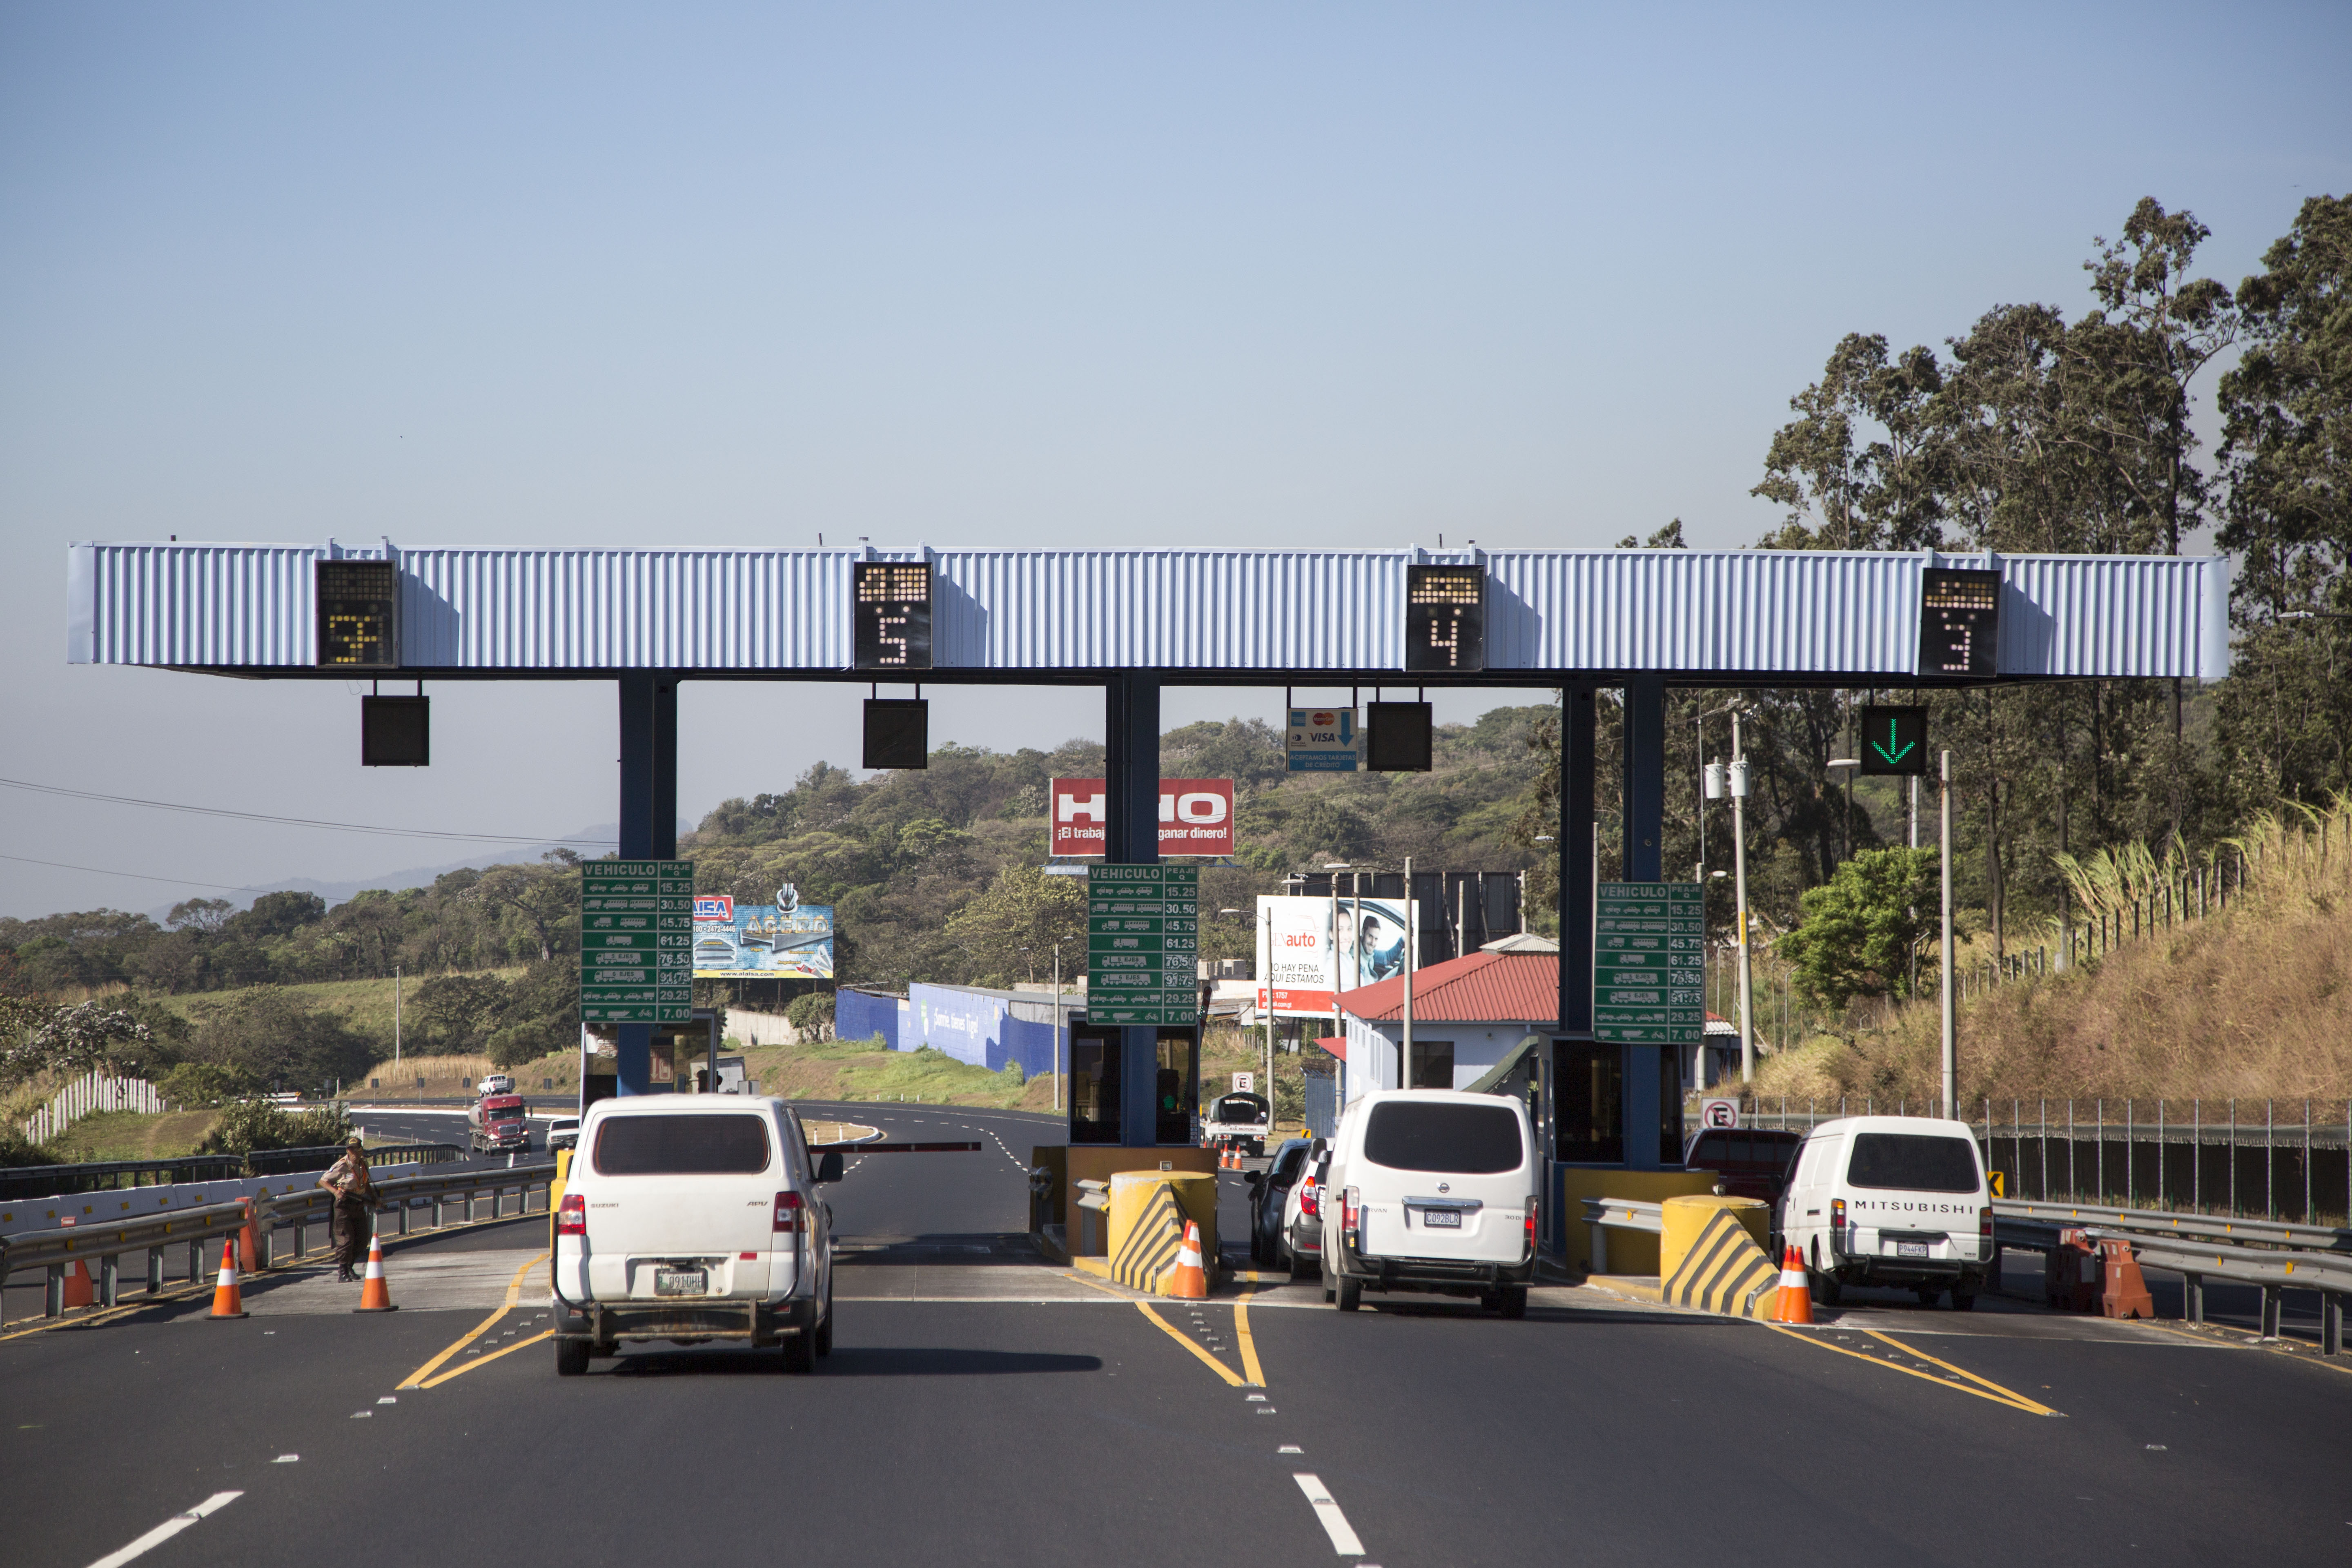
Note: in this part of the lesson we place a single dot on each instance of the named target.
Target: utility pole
(1057, 1028)
(1266, 983)
(1951, 1065)
(395, 1015)
(1739, 892)
(1412, 930)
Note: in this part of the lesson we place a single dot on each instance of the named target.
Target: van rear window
(1911, 1162)
(1470, 1139)
(682, 1146)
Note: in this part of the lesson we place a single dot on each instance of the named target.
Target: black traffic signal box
(1895, 741)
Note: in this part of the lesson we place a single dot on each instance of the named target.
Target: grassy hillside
(365, 1005)
(2255, 1002)
(127, 1135)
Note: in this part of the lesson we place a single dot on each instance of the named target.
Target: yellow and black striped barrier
(1712, 1259)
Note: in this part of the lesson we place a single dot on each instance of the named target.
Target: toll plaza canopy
(1207, 615)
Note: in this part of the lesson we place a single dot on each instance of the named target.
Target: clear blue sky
(1334, 275)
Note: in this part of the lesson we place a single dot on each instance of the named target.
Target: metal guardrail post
(2331, 1323)
(2193, 1297)
(403, 1216)
(154, 1269)
(52, 1301)
(195, 1261)
(265, 1237)
(110, 1278)
(2271, 1311)
(301, 1236)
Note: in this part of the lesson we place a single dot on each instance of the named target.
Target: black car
(1269, 1189)
(1752, 1162)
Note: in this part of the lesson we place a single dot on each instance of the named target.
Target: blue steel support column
(1575, 848)
(649, 822)
(1644, 754)
(1132, 769)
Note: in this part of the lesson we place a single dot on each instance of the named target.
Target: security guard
(354, 1191)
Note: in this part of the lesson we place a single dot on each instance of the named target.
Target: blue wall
(972, 1028)
(861, 1016)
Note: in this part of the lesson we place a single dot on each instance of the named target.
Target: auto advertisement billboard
(787, 940)
(1296, 948)
(1196, 816)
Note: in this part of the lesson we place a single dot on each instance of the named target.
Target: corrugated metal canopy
(1754, 616)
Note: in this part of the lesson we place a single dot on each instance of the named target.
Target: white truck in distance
(694, 1217)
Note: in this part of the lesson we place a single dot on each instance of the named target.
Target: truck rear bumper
(756, 1322)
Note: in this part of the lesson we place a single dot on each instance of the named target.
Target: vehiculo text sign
(1196, 816)
(637, 941)
(1648, 954)
(1143, 944)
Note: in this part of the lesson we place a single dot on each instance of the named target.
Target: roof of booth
(1759, 616)
(1482, 988)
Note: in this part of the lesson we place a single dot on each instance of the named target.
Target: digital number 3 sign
(1959, 623)
(893, 614)
(358, 615)
(1444, 618)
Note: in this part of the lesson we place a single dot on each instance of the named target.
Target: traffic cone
(78, 1287)
(245, 1250)
(1795, 1304)
(375, 1296)
(1184, 1278)
(229, 1301)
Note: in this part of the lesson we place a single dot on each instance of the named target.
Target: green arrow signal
(1885, 751)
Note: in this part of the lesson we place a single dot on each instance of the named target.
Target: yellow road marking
(468, 1366)
(1168, 1328)
(514, 1286)
(2010, 1394)
(1247, 1341)
(2013, 1401)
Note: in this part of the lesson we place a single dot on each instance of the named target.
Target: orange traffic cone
(1795, 1304)
(1184, 1278)
(247, 1254)
(78, 1287)
(229, 1301)
(375, 1296)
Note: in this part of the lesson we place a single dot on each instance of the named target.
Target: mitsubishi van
(1431, 1190)
(689, 1219)
(1896, 1201)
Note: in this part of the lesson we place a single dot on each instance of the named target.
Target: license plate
(681, 1282)
(1441, 1219)
(1910, 1249)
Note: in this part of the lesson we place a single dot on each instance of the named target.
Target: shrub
(811, 1016)
(246, 1125)
(206, 1084)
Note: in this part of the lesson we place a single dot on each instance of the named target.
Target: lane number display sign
(1143, 944)
(1959, 623)
(358, 615)
(636, 942)
(1648, 955)
(1894, 741)
(891, 604)
(1444, 618)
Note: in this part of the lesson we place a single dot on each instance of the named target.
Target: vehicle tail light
(791, 1213)
(1984, 1224)
(572, 1219)
(1532, 1203)
(1311, 1199)
(1837, 1213)
(1350, 1214)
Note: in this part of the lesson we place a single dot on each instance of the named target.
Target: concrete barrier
(1711, 1255)
(1148, 1211)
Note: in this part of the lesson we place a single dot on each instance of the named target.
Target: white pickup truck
(690, 1218)
(1239, 1120)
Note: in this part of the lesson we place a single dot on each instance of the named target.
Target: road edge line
(1247, 1341)
(1908, 1371)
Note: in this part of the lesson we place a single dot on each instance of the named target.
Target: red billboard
(1196, 816)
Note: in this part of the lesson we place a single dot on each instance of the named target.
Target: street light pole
(1412, 930)
(1057, 1028)
(1739, 892)
(1951, 1065)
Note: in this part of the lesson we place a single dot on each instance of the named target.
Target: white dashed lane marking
(170, 1528)
(1344, 1542)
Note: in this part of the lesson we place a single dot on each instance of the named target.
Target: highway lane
(1056, 1423)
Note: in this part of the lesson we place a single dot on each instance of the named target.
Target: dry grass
(442, 1075)
(127, 1135)
(2253, 1002)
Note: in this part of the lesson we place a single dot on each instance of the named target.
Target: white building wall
(1372, 1048)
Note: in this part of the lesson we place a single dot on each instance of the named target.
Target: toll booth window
(682, 1146)
(1589, 1102)
(1093, 1085)
(1432, 1064)
(1179, 1088)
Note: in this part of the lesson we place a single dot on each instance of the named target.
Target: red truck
(496, 1125)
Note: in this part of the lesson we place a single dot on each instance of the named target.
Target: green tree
(1864, 928)
(460, 1010)
(1012, 926)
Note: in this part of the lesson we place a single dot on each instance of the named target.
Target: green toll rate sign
(1648, 963)
(636, 942)
(1143, 944)
(1895, 741)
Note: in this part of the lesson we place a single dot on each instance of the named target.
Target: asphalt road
(982, 1406)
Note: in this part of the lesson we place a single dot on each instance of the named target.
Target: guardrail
(403, 1197)
(1605, 1214)
(106, 1175)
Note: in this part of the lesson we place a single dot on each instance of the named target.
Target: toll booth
(1609, 1120)
(682, 1058)
(1134, 1106)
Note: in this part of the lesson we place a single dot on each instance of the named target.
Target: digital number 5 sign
(1444, 618)
(893, 620)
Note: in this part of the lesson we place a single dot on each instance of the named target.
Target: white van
(1891, 1200)
(1434, 1190)
(694, 1217)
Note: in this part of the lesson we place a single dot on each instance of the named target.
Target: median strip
(1986, 1390)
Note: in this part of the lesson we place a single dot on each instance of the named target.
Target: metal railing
(1605, 1214)
(105, 1175)
(403, 1197)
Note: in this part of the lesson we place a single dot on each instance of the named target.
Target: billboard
(1196, 816)
(1298, 952)
(787, 940)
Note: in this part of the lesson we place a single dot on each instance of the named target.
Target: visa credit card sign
(1321, 741)
(1196, 816)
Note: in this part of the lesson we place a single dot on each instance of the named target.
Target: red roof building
(1469, 1012)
